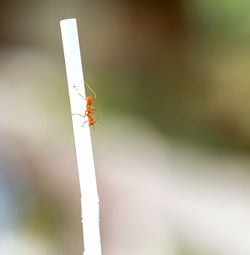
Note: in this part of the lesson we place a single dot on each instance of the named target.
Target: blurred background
(171, 147)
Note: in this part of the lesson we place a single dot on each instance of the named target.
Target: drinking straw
(83, 145)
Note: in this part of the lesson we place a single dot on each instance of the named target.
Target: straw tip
(68, 20)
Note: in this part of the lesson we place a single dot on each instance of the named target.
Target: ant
(90, 109)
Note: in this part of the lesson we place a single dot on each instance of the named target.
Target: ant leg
(97, 118)
(78, 115)
(93, 112)
(84, 123)
(93, 130)
(79, 92)
(93, 108)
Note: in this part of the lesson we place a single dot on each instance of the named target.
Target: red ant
(90, 109)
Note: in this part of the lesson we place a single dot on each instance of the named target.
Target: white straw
(84, 154)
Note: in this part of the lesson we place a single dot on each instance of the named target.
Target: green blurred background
(173, 141)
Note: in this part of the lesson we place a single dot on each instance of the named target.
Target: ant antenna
(79, 92)
(90, 89)
(97, 118)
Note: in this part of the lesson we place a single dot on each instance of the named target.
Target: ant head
(89, 100)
